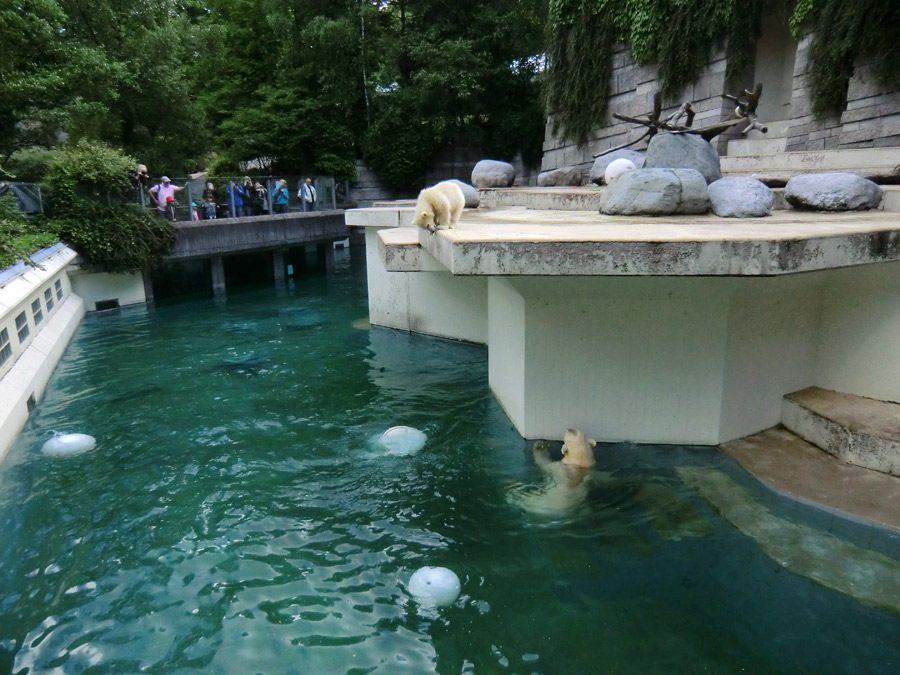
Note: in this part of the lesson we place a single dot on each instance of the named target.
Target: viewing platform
(686, 329)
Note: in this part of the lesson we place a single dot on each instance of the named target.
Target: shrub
(90, 210)
(19, 236)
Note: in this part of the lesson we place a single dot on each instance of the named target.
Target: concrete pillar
(148, 285)
(278, 269)
(325, 253)
(217, 270)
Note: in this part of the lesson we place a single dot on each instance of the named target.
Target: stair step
(879, 164)
(796, 468)
(857, 430)
(743, 147)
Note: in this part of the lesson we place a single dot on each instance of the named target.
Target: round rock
(683, 151)
(491, 173)
(566, 177)
(473, 199)
(656, 192)
(834, 191)
(740, 197)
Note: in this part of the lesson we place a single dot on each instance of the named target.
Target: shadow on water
(236, 516)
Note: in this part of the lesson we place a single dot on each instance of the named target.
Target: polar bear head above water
(577, 449)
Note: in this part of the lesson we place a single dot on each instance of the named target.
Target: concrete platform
(519, 241)
(797, 469)
(858, 430)
(879, 164)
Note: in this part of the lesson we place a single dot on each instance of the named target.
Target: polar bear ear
(425, 214)
(591, 442)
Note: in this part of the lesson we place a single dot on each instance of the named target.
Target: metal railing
(203, 197)
(29, 198)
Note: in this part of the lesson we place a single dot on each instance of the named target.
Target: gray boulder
(566, 176)
(491, 173)
(683, 151)
(837, 191)
(473, 199)
(598, 170)
(656, 192)
(740, 197)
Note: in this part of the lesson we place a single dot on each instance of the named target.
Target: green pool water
(237, 516)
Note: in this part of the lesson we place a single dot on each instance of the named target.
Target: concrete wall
(435, 303)
(860, 332)
(94, 287)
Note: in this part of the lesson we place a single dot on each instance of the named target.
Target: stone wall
(870, 120)
(631, 93)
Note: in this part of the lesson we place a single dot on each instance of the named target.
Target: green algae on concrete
(871, 577)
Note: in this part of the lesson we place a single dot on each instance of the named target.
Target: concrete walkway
(795, 468)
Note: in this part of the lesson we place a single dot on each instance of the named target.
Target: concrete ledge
(381, 216)
(30, 373)
(203, 238)
(564, 243)
(586, 198)
(857, 430)
(400, 251)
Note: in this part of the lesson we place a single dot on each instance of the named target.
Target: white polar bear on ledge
(439, 206)
(566, 482)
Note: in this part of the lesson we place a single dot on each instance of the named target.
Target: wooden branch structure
(745, 110)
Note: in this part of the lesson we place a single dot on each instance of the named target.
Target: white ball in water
(69, 444)
(616, 168)
(435, 585)
(403, 440)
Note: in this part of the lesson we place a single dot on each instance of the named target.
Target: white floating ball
(69, 444)
(616, 168)
(403, 440)
(435, 585)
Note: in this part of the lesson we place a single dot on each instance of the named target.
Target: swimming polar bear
(439, 206)
(567, 482)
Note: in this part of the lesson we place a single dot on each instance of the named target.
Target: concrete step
(857, 430)
(879, 164)
(742, 147)
(774, 130)
(795, 468)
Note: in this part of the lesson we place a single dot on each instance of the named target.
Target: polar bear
(566, 482)
(439, 206)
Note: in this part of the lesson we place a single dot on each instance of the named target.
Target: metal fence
(203, 197)
(28, 196)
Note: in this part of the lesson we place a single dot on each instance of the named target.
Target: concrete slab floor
(880, 419)
(795, 468)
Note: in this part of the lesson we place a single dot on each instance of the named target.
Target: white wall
(92, 287)
(435, 303)
(506, 348)
(859, 348)
(773, 323)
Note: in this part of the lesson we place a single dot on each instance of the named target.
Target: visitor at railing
(280, 198)
(210, 198)
(235, 194)
(307, 194)
(163, 195)
(262, 197)
(139, 179)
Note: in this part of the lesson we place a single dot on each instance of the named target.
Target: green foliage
(843, 31)
(398, 149)
(19, 237)
(87, 184)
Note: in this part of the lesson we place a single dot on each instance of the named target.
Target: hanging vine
(841, 32)
(678, 36)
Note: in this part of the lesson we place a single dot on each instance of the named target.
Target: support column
(325, 253)
(148, 285)
(278, 268)
(217, 270)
